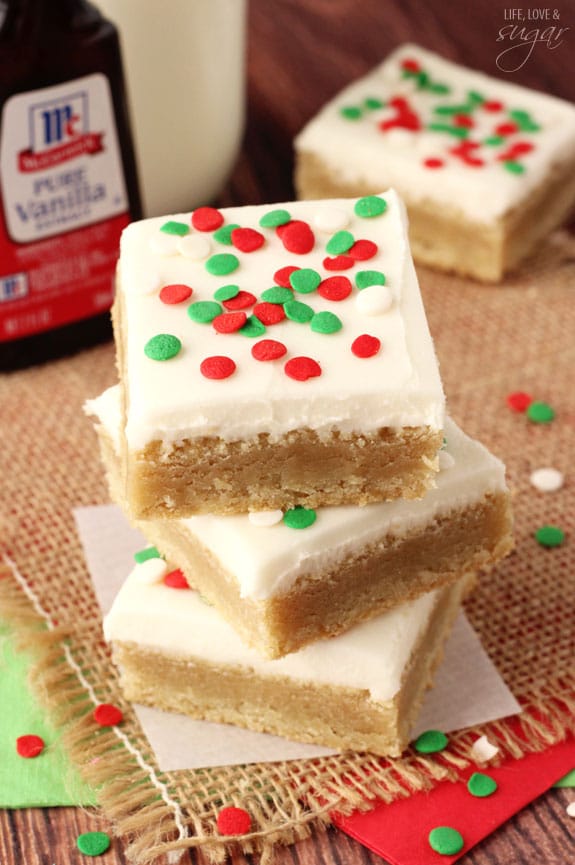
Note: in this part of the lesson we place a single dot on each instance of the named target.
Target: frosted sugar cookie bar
(285, 578)
(361, 690)
(485, 167)
(274, 355)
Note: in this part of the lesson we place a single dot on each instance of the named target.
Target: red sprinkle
(207, 219)
(519, 401)
(217, 367)
(268, 349)
(464, 121)
(365, 345)
(492, 105)
(269, 313)
(233, 821)
(506, 128)
(29, 746)
(107, 715)
(520, 148)
(433, 162)
(338, 262)
(335, 288)
(242, 300)
(176, 580)
(296, 236)
(247, 239)
(362, 250)
(302, 368)
(229, 322)
(175, 293)
(410, 65)
(281, 276)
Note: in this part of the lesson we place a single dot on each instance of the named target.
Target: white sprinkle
(164, 244)
(265, 518)
(151, 571)
(570, 809)
(547, 480)
(446, 461)
(374, 300)
(483, 750)
(194, 246)
(330, 219)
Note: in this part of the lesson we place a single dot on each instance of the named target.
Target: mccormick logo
(59, 131)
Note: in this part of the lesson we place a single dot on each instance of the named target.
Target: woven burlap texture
(490, 341)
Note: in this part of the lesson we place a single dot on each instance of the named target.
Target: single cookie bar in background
(272, 356)
(361, 690)
(486, 168)
(285, 578)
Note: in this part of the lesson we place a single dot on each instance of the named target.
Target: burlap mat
(490, 341)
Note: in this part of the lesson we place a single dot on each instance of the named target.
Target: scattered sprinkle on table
(540, 412)
(483, 750)
(107, 715)
(430, 742)
(571, 809)
(550, 536)
(519, 401)
(30, 745)
(445, 840)
(546, 480)
(233, 821)
(93, 843)
(481, 785)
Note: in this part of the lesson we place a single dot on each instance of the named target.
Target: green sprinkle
(204, 311)
(340, 242)
(147, 553)
(422, 79)
(226, 292)
(550, 536)
(540, 412)
(172, 227)
(372, 103)
(325, 322)
(370, 206)
(297, 311)
(350, 112)
(163, 346)
(365, 278)
(277, 294)
(513, 167)
(93, 843)
(481, 785)
(273, 218)
(524, 121)
(299, 517)
(457, 131)
(452, 109)
(445, 840)
(305, 280)
(253, 327)
(222, 263)
(440, 89)
(224, 234)
(430, 742)
(494, 140)
(475, 97)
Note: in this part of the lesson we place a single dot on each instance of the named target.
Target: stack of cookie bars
(279, 435)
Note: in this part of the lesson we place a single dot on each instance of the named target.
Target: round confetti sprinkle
(445, 840)
(330, 219)
(173, 227)
(430, 742)
(297, 311)
(433, 162)
(299, 517)
(297, 237)
(365, 345)
(164, 244)
(163, 346)
(519, 401)
(223, 235)
(175, 293)
(340, 243)
(222, 263)
(570, 809)
(273, 218)
(242, 300)
(282, 276)
(204, 311)
(301, 368)
(229, 322)
(253, 327)
(145, 554)
(335, 288)
(546, 480)
(93, 843)
(29, 746)
(362, 250)
(277, 294)
(207, 219)
(233, 821)
(149, 572)
(269, 313)
(194, 246)
(325, 322)
(107, 715)
(305, 280)
(365, 278)
(226, 292)
(540, 412)
(176, 580)
(338, 262)
(265, 519)
(481, 785)
(370, 206)
(268, 349)
(217, 367)
(247, 239)
(550, 536)
(374, 300)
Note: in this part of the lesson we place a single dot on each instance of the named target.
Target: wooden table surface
(301, 52)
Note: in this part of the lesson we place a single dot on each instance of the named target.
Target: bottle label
(64, 205)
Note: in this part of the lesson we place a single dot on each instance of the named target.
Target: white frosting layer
(371, 656)
(170, 400)
(358, 152)
(268, 559)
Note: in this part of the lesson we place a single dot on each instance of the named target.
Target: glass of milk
(184, 62)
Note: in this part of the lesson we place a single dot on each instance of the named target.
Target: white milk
(184, 62)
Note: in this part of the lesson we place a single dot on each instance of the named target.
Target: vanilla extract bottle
(68, 179)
